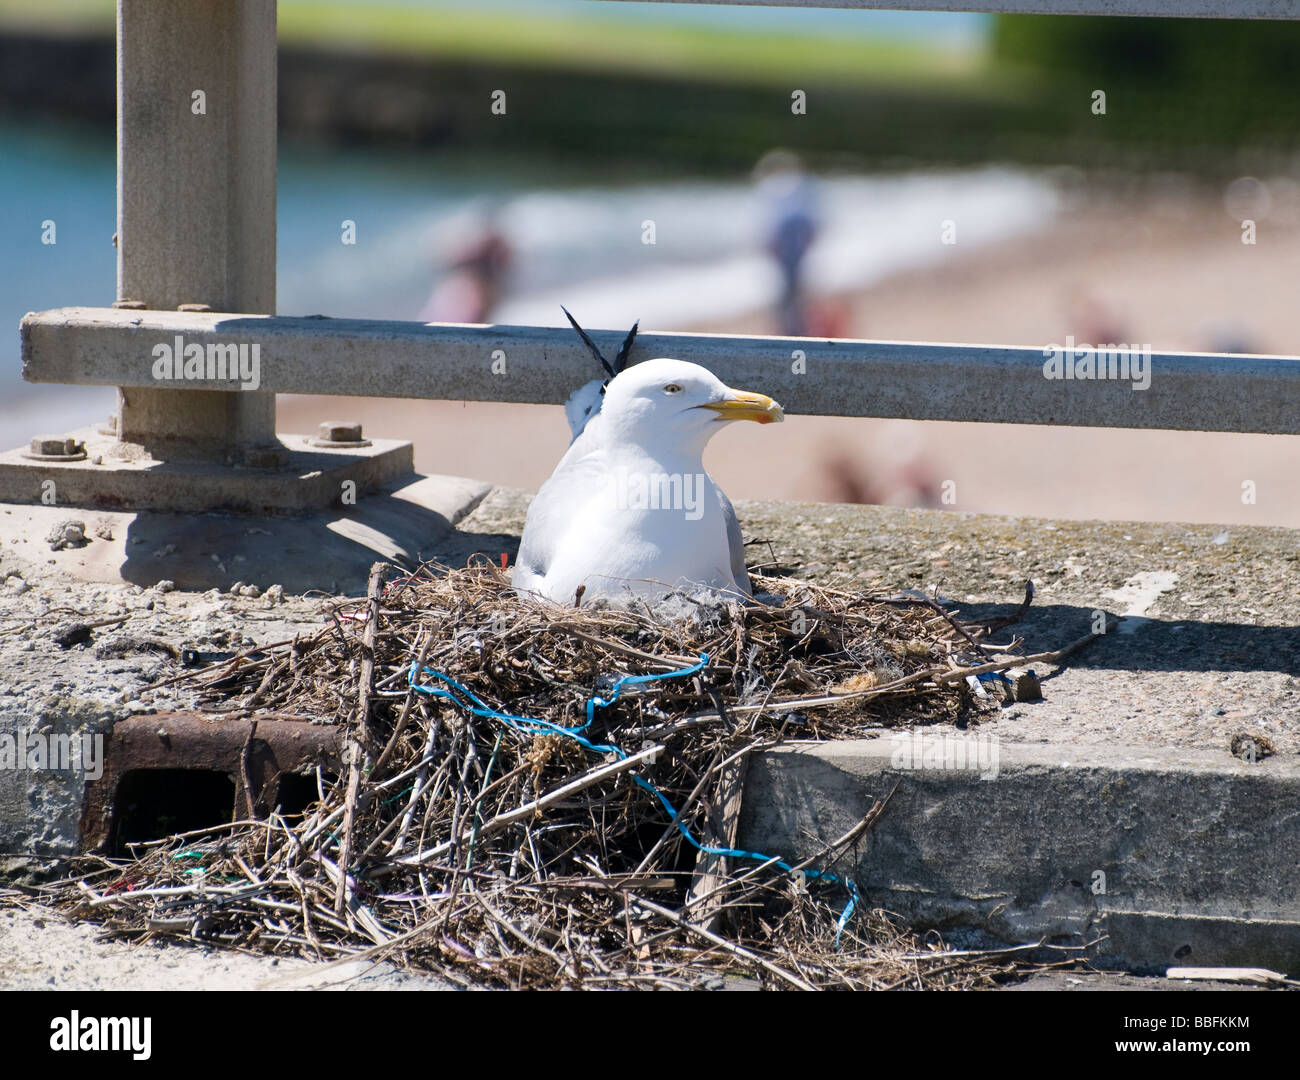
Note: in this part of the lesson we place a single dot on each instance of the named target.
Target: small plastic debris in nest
(1251, 747)
(603, 684)
(1021, 684)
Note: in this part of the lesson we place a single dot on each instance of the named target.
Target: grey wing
(735, 542)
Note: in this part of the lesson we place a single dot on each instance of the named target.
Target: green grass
(595, 43)
(57, 14)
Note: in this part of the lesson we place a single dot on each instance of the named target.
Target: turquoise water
(66, 177)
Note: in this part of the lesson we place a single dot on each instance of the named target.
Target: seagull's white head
(667, 398)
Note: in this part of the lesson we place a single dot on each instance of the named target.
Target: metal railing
(1121, 387)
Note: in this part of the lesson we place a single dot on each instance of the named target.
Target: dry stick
(723, 943)
(225, 826)
(948, 618)
(417, 789)
(1054, 657)
(110, 620)
(711, 868)
(406, 711)
(522, 813)
(219, 891)
(361, 733)
(271, 672)
(950, 954)
(296, 882)
(471, 757)
(1010, 620)
(245, 776)
(376, 930)
(667, 663)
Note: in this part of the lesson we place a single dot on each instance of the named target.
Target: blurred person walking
(474, 277)
(790, 209)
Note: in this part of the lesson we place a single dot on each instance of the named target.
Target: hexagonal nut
(56, 446)
(340, 431)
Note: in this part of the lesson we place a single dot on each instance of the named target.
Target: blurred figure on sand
(473, 277)
(790, 211)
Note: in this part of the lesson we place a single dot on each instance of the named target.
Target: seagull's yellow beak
(742, 405)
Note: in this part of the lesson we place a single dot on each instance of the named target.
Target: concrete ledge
(410, 518)
(1184, 857)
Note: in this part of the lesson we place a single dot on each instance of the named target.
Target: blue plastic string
(472, 703)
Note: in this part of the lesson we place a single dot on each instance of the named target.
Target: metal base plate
(116, 476)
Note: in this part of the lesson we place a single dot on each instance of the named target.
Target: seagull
(630, 507)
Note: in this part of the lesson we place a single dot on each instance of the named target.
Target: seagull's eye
(672, 388)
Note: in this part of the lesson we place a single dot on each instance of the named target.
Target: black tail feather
(620, 361)
(595, 351)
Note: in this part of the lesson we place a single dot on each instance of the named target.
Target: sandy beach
(1166, 268)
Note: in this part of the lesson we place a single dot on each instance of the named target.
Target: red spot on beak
(504, 559)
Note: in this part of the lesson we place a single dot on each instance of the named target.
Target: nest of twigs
(507, 812)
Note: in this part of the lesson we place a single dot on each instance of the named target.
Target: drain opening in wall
(153, 803)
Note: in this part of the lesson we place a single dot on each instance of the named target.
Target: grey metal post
(196, 154)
